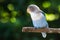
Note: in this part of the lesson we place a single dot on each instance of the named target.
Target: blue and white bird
(38, 18)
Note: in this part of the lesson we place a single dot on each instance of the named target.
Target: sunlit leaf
(10, 7)
(4, 20)
(57, 16)
(46, 4)
(52, 17)
(14, 13)
(13, 20)
(4, 14)
(59, 8)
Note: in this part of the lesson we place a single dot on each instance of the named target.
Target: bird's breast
(36, 16)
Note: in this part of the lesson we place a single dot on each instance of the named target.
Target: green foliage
(14, 13)
(13, 20)
(10, 7)
(46, 4)
(52, 17)
(59, 8)
(4, 20)
(4, 14)
(2, 0)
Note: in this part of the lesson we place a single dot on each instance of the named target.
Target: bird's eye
(32, 9)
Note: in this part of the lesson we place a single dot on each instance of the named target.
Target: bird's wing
(43, 13)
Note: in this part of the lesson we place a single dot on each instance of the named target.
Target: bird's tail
(44, 34)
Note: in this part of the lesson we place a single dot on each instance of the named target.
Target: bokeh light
(51, 17)
(4, 20)
(14, 13)
(4, 14)
(13, 20)
(59, 8)
(46, 4)
(10, 7)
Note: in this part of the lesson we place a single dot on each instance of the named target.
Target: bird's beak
(27, 10)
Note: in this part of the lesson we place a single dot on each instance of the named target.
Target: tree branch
(47, 30)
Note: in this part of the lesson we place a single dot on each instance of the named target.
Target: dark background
(13, 17)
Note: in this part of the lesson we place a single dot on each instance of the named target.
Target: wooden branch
(32, 29)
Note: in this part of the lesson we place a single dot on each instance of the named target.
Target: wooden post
(32, 29)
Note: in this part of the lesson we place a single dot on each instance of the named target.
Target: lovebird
(38, 18)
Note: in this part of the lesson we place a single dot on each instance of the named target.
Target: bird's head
(32, 8)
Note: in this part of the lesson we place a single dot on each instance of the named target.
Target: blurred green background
(13, 17)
